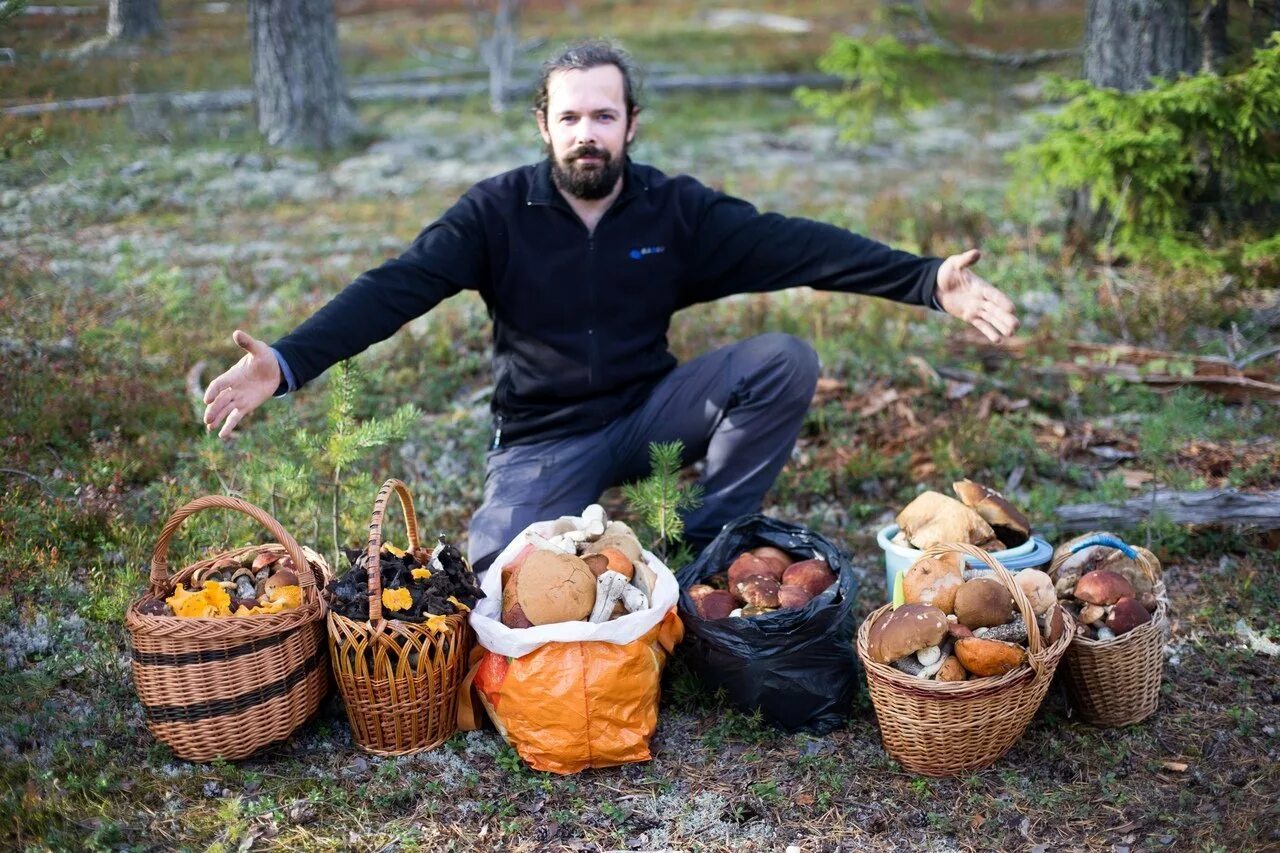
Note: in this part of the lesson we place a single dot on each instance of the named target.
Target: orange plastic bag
(565, 707)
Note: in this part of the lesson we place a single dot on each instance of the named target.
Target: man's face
(586, 130)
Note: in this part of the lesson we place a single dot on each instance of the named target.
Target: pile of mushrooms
(759, 581)
(256, 583)
(1104, 587)
(982, 517)
(418, 586)
(960, 622)
(593, 572)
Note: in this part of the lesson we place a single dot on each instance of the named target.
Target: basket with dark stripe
(228, 687)
(399, 680)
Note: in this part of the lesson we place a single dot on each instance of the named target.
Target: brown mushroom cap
(907, 630)
(933, 518)
(1103, 587)
(1127, 614)
(264, 559)
(983, 603)
(934, 581)
(618, 562)
(814, 575)
(700, 591)
(793, 597)
(951, 670)
(1038, 589)
(620, 537)
(777, 555)
(1117, 562)
(759, 591)
(1009, 524)
(748, 565)
(716, 604)
(554, 587)
(985, 658)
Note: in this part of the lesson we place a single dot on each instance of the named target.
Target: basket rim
(372, 627)
(970, 688)
(312, 608)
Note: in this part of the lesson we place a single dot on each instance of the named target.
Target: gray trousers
(739, 407)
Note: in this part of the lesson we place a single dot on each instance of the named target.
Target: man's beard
(592, 182)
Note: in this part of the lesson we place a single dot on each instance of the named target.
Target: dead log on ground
(1216, 506)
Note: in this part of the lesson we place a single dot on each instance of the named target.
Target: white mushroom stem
(610, 587)
(595, 521)
(633, 599)
(929, 655)
(1092, 613)
(909, 665)
(969, 573)
(932, 669)
(554, 544)
(1105, 633)
(737, 612)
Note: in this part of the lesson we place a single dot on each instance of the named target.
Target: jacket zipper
(593, 355)
(497, 431)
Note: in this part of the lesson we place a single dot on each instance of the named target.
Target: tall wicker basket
(1113, 683)
(228, 687)
(940, 728)
(399, 680)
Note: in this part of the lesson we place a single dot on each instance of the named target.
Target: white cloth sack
(486, 618)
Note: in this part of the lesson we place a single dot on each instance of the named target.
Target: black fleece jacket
(580, 319)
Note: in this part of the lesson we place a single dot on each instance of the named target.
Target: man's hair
(585, 55)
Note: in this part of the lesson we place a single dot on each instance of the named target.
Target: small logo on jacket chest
(638, 254)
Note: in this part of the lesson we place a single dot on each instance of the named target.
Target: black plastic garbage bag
(798, 667)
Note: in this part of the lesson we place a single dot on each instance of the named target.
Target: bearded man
(581, 260)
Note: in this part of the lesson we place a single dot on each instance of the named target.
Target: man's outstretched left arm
(740, 250)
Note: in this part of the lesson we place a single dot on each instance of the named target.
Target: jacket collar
(543, 190)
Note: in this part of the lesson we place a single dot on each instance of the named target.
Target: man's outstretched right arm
(447, 257)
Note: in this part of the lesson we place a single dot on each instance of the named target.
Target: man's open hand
(252, 380)
(963, 293)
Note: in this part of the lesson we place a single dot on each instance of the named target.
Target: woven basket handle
(374, 548)
(160, 555)
(1141, 556)
(1034, 644)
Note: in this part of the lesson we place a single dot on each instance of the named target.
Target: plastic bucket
(1033, 553)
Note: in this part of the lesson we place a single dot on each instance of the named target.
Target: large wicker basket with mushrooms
(1115, 592)
(957, 671)
(237, 637)
(398, 636)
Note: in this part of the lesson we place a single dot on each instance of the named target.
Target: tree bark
(1214, 47)
(133, 20)
(497, 37)
(299, 94)
(1127, 42)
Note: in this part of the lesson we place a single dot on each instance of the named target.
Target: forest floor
(131, 246)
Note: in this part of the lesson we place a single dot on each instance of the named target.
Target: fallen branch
(982, 54)
(233, 99)
(1217, 506)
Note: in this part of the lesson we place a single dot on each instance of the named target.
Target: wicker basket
(227, 687)
(944, 728)
(398, 679)
(1114, 683)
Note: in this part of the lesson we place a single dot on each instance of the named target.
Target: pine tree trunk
(1127, 42)
(299, 94)
(1214, 47)
(133, 20)
(1264, 19)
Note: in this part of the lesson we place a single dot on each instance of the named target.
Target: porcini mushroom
(1127, 614)
(906, 631)
(933, 518)
(792, 597)
(1102, 587)
(717, 604)
(983, 603)
(814, 575)
(553, 587)
(933, 581)
(748, 565)
(1010, 525)
(1038, 588)
(759, 591)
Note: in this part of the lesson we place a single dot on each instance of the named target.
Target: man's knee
(791, 363)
